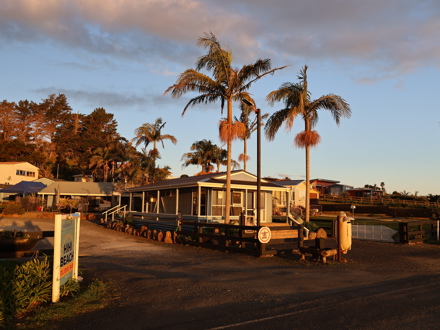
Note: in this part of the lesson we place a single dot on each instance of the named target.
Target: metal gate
(375, 233)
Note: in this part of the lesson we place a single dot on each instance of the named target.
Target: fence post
(438, 236)
(403, 232)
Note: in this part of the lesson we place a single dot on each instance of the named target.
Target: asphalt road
(165, 286)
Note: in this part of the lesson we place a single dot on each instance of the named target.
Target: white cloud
(393, 36)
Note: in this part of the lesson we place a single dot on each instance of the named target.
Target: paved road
(383, 286)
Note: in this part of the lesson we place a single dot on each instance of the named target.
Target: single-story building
(23, 189)
(322, 185)
(298, 193)
(366, 192)
(202, 198)
(85, 196)
(338, 189)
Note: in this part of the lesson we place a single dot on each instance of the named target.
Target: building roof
(46, 181)
(289, 182)
(238, 178)
(16, 163)
(80, 188)
(24, 187)
(325, 180)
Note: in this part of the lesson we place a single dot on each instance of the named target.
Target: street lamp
(258, 112)
(353, 207)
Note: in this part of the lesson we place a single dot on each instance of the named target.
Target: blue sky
(382, 57)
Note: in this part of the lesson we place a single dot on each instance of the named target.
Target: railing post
(403, 232)
(200, 231)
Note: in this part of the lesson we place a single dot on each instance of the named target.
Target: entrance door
(237, 203)
(250, 203)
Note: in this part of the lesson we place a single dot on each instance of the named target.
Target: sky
(382, 57)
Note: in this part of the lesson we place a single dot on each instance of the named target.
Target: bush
(13, 208)
(10, 234)
(311, 226)
(24, 286)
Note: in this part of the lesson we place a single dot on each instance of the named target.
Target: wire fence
(375, 233)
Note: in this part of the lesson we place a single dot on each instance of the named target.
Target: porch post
(158, 201)
(177, 200)
(199, 199)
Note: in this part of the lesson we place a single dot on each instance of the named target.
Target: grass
(95, 296)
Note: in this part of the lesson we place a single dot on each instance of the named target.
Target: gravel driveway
(165, 286)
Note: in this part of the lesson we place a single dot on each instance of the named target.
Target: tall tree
(152, 133)
(226, 85)
(205, 154)
(8, 120)
(220, 158)
(297, 102)
(26, 121)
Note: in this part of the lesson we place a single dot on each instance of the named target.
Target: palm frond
(334, 103)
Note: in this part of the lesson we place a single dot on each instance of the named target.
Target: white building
(12, 173)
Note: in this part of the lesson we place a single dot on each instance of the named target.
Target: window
(218, 202)
(236, 198)
(25, 173)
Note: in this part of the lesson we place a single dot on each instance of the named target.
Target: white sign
(65, 254)
(264, 235)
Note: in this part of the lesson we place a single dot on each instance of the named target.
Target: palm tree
(148, 133)
(227, 84)
(204, 153)
(297, 102)
(220, 158)
(250, 127)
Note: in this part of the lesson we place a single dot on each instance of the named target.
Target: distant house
(322, 185)
(202, 198)
(87, 196)
(12, 173)
(366, 192)
(82, 178)
(338, 189)
(298, 193)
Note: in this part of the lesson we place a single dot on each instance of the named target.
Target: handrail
(114, 210)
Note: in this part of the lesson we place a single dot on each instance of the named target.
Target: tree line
(62, 143)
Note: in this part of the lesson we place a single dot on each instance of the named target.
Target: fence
(375, 200)
(415, 232)
(242, 239)
(375, 233)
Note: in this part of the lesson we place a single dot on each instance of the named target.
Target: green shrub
(9, 234)
(311, 226)
(13, 208)
(24, 286)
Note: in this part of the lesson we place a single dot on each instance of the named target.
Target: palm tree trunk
(244, 153)
(228, 166)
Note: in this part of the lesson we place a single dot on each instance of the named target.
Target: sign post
(66, 249)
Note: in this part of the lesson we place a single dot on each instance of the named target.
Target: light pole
(258, 111)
